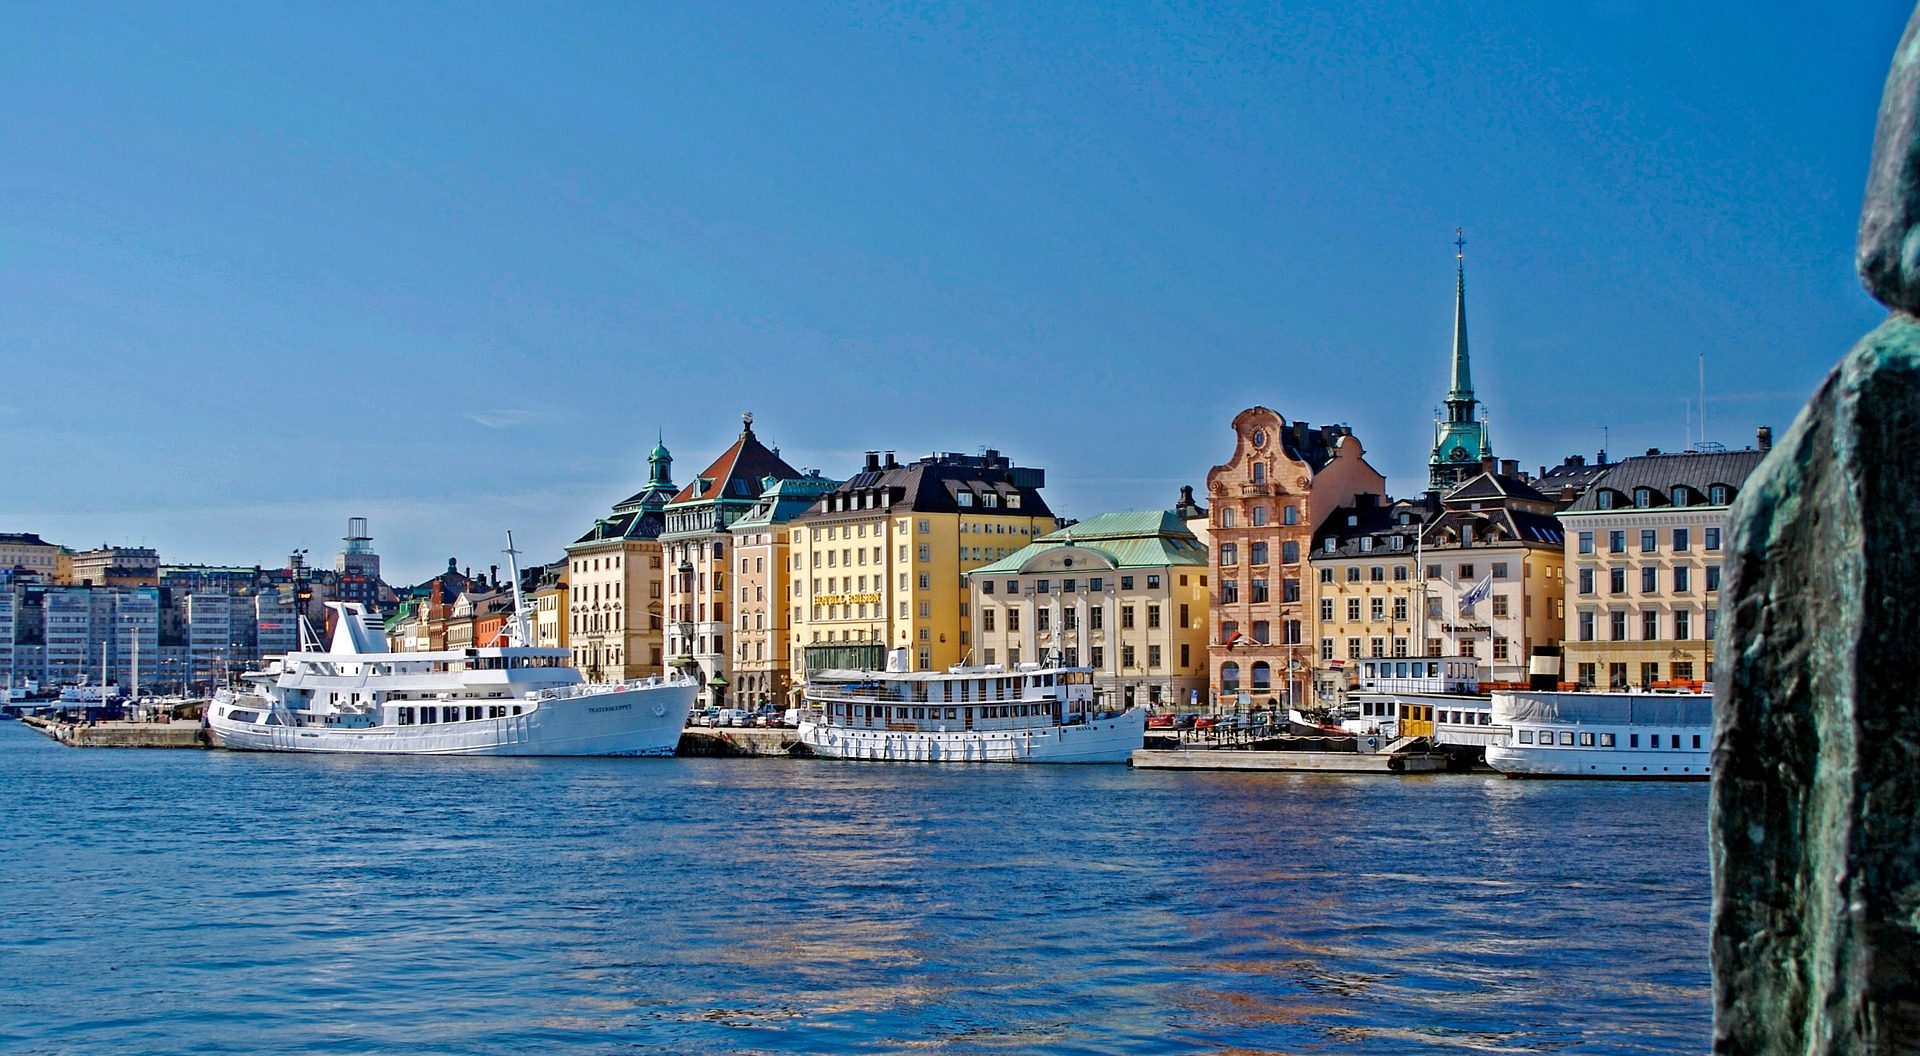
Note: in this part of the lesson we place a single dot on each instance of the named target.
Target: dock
(740, 741)
(117, 734)
(1242, 759)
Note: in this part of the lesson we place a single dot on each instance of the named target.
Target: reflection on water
(199, 902)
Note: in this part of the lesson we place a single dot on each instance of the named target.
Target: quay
(740, 741)
(116, 734)
(1407, 756)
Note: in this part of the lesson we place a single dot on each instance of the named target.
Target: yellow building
(615, 582)
(878, 560)
(549, 601)
(1644, 548)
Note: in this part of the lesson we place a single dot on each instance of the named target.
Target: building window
(1617, 619)
(1043, 620)
(1717, 494)
(1377, 574)
(1226, 518)
(1642, 498)
(1617, 580)
(1603, 499)
(1230, 677)
(1586, 581)
(1258, 553)
(1186, 616)
(1353, 649)
(1586, 542)
(986, 619)
(1712, 538)
(1400, 609)
(1682, 624)
(1500, 606)
(1126, 656)
(1353, 608)
(1682, 541)
(1259, 516)
(1290, 515)
(1097, 656)
(1500, 648)
(1229, 554)
(1126, 617)
(1682, 580)
(1650, 626)
(1013, 619)
(1376, 608)
(1649, 580)
(1713, 577)
(1649, 541)
(1291, 629)
(1153, 582)
(1617, 541)
(1376, 647)
(1353, 573)
(1326, 648)
(1097, 618)
(1326, 610)
(1290, 552)
(1153, 617)
(1229, 591)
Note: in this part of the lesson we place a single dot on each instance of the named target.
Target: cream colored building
(1281, 482)
(550, 602)
(29, 551)
(615, 584)
(1374, 561)
(1644, 553)
(1122, 593)
(879, 559)
(762, 616)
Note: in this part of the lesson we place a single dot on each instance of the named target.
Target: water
(212, 902)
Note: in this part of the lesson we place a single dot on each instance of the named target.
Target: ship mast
(521, 634)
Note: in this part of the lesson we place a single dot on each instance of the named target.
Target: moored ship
(357, 696)
(1639, 736)
(1030, 714)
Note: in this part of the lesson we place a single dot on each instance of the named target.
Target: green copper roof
(1136, 539)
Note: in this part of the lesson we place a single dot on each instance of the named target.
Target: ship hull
(1600, 764)
(1108, 740)
(631, 721)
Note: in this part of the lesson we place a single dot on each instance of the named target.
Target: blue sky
(265, 267)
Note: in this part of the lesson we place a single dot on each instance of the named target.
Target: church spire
(1462, 387)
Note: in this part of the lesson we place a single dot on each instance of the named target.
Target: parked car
(1186, 721)
(1205, 722)
(731, 717)
(1160, 722)
(705, 717)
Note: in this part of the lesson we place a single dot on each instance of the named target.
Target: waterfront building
(25, 550)
(1366, 572)
(1122, 593)
(762, 625)
(1283, 480)
(616, 583)
(276, 623)
(1494, 575)
(878, 560)
(549, 601)
(697, 541)
(115, 566)
(357, 569)
(1644, 551)
(1460, 442)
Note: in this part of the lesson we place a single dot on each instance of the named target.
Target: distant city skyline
(261, 274)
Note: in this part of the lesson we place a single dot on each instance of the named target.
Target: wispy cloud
(512, 417)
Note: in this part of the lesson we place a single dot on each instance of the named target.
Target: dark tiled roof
(1696, 471)
(934, 483)
(23, 539)
(1348, 525)
(1492, 487)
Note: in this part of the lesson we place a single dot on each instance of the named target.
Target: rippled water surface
(215, 902)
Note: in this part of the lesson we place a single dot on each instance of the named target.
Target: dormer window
(1603, 499)
(964, 498)
(1366, 544)
(1678, 496)
(1717, 494)
(1353, 520)
(1399, 542)
(1642, 498)
(1327, 546)
(1013, 502)
(990, 500)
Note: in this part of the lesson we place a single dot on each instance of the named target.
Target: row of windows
(1257, 553)
(1681, 577)
(1379, 647)
(1070, 618)
(429, 716)
(1590, 739)
(1681, 540)
(1652, 622)
(1678, 495)
(1258, 591)
(1225, 518)
(1289, 629)
(1589, 673)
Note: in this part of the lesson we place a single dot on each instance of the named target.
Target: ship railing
(584, 689)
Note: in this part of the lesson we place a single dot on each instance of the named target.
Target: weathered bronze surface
(1816, 792)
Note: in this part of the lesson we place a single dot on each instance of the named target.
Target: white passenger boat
(1031, 714)
(356, 696)
(1641, 736)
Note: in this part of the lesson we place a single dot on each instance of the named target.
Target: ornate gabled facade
(696, 543)
(1460, 438)
(1282, 481)
(614, 583)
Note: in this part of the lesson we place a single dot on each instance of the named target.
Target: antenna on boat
(521, 635)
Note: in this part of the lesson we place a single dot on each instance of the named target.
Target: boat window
(1586, 740)
(1606, 740)
(1526, 736)
(243, 716)
(1566, 737)
(953, 713)
(1696, 741)
(1633, 740)
(406, 716)
(516, 709)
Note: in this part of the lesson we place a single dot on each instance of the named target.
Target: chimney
(873, 461)
(891, 463)
(493, 574)
(1764, 436)
(1651, 451)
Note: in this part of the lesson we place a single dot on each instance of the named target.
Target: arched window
(1230, 677)
(1262, 676)
(1259, 473)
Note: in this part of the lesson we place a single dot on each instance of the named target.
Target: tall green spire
(660, 464)
(1460, 438)
(1462, 387)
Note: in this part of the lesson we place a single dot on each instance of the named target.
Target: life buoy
(1373, 742)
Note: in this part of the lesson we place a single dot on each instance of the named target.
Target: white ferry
(356, 696)
(1645, 736)
(1031, 714)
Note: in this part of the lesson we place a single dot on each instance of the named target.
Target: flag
(1237, 638)
(1478, 592)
